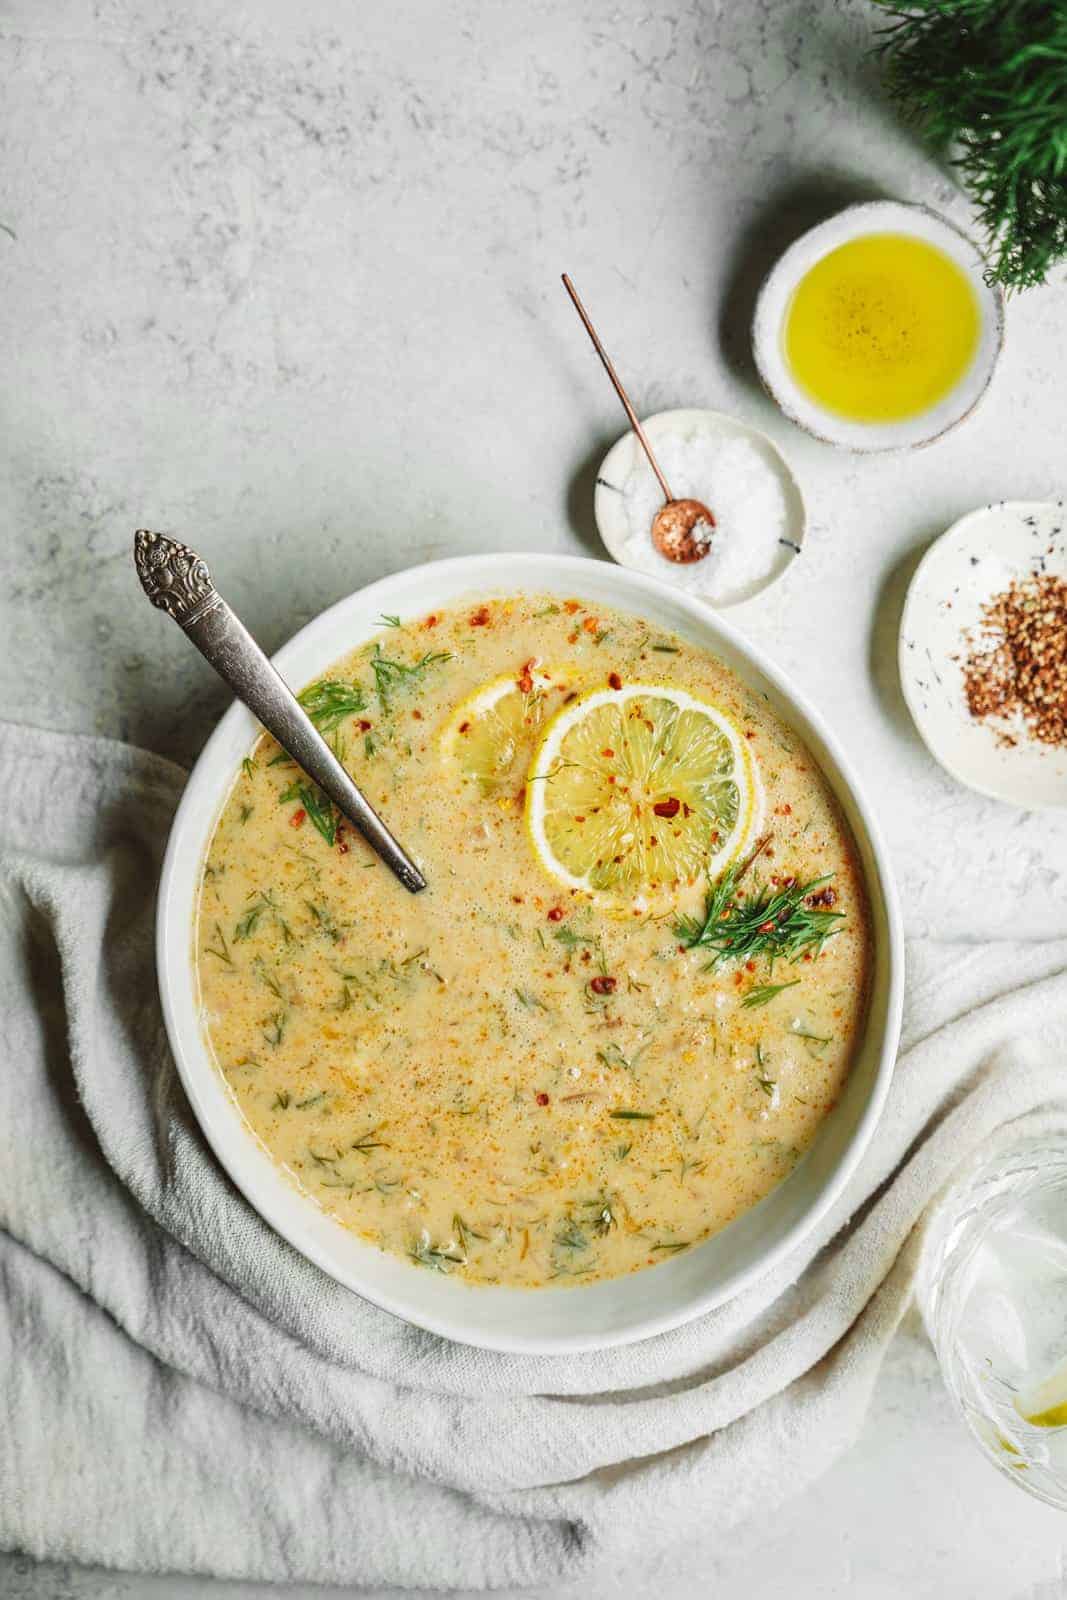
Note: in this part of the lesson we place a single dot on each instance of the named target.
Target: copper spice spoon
(177, 581)
(681, 529)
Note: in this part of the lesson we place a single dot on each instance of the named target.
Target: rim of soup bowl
(549, 1320)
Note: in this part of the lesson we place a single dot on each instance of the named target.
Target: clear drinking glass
(995, 1301)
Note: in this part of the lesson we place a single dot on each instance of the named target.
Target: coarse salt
(744, 484)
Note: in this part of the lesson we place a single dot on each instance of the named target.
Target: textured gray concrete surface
(283, 279)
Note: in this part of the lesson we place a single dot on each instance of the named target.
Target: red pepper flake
(342, 842)
(431, 620)
(602, 985)
(464, 727)
(297, 818)
(556, 914)
(614, 681)
(607, 754)
(542, 1098)
(667, 808)
(525, 679)
(591, 624)
(823, 898)
(767, 927)
(516, 899)
(571, 606)
(417, 714)
(364, 727)
(480, 618)
(738, 979)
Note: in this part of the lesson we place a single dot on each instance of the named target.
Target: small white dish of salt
(739, 474)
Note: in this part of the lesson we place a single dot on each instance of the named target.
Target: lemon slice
(1045, 1405)
(492, 733)
(636, 792)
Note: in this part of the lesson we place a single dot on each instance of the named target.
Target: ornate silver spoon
(177, 581)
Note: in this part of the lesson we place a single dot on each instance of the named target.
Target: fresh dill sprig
(330, 701)
(389, 675)
(764, 922)
(764, 993)
(984, 79)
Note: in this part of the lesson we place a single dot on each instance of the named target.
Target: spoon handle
(177, 581)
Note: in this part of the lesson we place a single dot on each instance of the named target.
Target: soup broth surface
(503, 1077)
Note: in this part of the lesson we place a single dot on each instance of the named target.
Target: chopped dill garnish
(764, 993)
(312, 1100)
(223, 951)
(633, 1116)
(330, 701)
(464, 1233)
(679, 1244)
(367, 1142)
(321, 813)
(369, 746)
(599, 1215)
(244, 813)
(666, 649)
(433, 1256)
(547, 611)
(526, 998)
(388, 621)
(274, 1030)
(391, 675)
(612, 1056)
(247, 923)
(813, 1042)
(248, 766)
(281, 1100)
(264, 974)
(768, 1085)
(569, 1236)
(621, 1151)
(571, 940)
(324, 921)
(768, 921)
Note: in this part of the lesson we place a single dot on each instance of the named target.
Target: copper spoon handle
(619, 390)
(177, 581)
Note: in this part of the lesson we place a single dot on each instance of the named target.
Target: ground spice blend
(1016, 661)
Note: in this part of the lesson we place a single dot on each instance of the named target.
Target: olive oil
(882, 328)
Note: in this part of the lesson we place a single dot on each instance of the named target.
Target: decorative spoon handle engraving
(177, 580)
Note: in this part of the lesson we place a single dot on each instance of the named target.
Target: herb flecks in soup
(579, 1051)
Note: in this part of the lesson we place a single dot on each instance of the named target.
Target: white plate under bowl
(976, 559)
(626, 456)
(775, 297)
(550, 1320)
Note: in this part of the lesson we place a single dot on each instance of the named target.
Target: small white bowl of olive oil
(877, 329)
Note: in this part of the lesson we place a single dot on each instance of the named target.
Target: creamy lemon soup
(631, 992)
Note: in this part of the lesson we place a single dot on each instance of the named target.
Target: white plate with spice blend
(983, 651)
(541, 1106)
(737, 471)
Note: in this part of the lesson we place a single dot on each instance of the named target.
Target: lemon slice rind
(548, 765)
